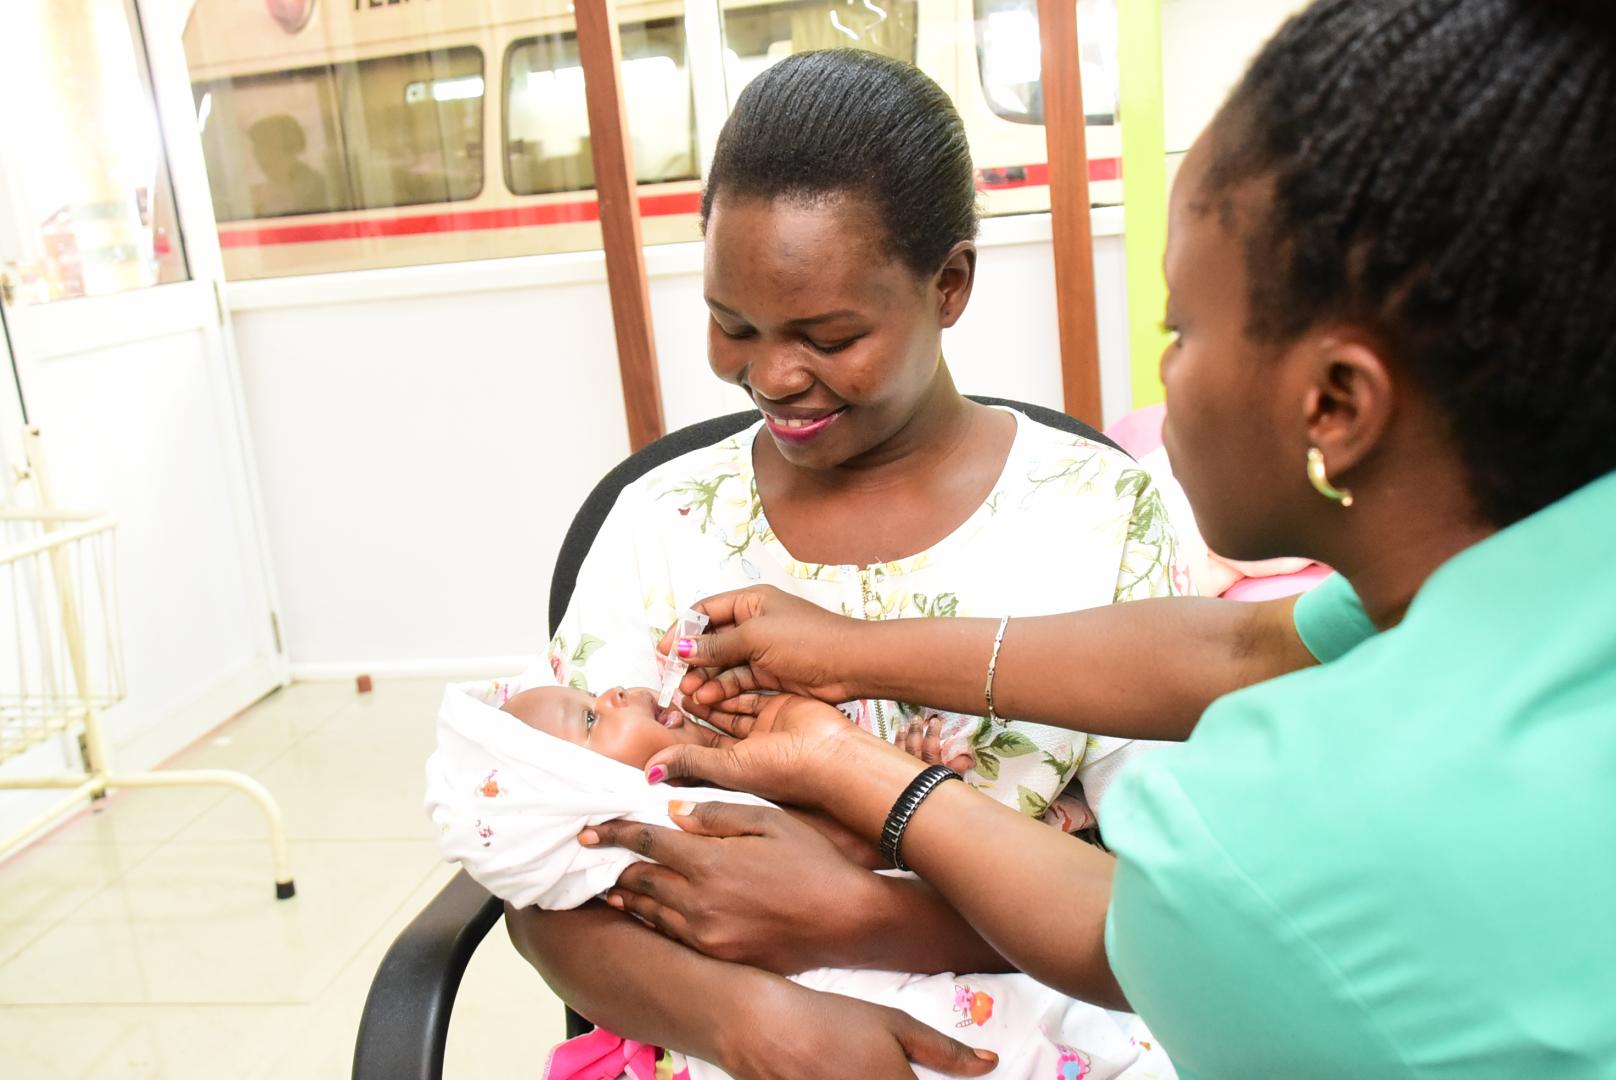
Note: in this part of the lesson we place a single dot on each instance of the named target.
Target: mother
(840, 213)
(1392, 264)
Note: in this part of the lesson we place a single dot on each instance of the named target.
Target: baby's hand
(924, 739)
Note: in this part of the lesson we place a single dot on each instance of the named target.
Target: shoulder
(1047, 458)
(695, 478)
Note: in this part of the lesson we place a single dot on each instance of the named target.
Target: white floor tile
(198, 922)
(144, 940)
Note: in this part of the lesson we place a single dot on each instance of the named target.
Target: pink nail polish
(686, 647)
(656, 775)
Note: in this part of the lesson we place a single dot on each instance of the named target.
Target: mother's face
(836, 342)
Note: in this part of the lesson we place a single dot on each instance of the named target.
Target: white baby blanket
(509, 802)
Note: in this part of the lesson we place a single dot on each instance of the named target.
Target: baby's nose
(611, 699)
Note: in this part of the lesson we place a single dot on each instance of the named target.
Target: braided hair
(835, 121)
(1441, 172)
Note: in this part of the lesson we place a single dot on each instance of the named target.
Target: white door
(123, 356)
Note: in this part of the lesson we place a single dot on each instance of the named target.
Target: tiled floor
(144, 940)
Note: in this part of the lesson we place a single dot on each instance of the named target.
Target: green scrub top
(1402, 862)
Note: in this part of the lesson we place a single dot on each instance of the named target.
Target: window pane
(547, 122)
(755, 36)
(273, 145)
(88, 209)
(413, 127)
(1010, 59)
(396, 131)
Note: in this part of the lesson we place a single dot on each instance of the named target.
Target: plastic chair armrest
(405, 1025)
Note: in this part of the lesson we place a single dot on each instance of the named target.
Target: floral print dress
(1069, 524)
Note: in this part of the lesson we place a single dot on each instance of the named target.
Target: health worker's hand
(800, 1034)
(783, 747)
(764, 639)
(746, 884)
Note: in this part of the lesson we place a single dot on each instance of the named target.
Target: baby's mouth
(670, 717)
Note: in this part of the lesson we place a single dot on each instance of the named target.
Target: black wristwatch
(904, 809)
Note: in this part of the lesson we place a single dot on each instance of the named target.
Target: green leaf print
(1071, 475)
(987, 764)
(579, 681)
(700, 494)
(588, 646)
(1030, 802)
(980, 736)
(1062, 766)
(942, 606)
(1132, 482)
(1014, 744)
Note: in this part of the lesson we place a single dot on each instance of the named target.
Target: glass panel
(413, 127)
(756, 35)
(396, 131)
(547, 123)
(273, 145)
(1010, 59)
(88, 209)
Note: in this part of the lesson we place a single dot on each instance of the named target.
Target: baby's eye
(589, 720)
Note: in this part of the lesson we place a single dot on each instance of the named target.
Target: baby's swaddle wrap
(509, 802)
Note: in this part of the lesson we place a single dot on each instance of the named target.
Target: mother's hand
(764, 639)
(747, 884)
(807, 1033)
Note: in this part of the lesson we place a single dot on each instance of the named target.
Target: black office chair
(405, 1025)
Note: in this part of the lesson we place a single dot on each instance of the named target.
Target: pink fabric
(1140, 431)
(600, 1055)
(1272, 588)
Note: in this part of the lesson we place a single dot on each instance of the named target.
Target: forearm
(916, 930)
(1144, 670)
(636, 983)
(1043, 910)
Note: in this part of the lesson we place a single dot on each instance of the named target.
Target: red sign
(293, 15)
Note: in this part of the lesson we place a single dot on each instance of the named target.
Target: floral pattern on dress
(1069, 524)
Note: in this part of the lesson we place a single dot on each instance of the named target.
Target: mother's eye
(834, 347)
(736, 335)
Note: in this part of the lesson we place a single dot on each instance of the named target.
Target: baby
(516, 777)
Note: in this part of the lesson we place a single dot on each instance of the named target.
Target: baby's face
(625, 725)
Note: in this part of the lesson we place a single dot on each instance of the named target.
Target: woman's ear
(1348, 403)
(953, 283)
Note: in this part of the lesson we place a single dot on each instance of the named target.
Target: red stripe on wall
(512, 217)
(561, 213)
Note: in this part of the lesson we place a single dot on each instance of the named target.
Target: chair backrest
(587, 522)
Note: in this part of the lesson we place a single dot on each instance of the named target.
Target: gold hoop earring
(1321, 480)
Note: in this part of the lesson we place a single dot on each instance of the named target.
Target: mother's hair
(1440, 173)
(847, 121)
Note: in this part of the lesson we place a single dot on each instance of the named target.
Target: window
(756, 35)
(394, 131)
(1010, 59)
(547, 122)
(86, 207)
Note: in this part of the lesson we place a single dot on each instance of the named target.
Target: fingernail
(617, 902)
(679, 808)
(686, 646)
(986, 1055)
(589, 838)
(656, 775)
